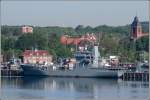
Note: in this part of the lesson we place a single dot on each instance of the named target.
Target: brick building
(136, 29)
(37, 56)
(27, 29)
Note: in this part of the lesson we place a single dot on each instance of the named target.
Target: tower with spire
(136, 29)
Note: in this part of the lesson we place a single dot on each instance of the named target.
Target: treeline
(16, 45)
(112, 40)
(80, 29)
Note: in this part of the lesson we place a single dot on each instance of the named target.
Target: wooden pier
(11, 73)
(127, 76)
(135, 76)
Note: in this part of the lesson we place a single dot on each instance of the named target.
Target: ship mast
(96, 55)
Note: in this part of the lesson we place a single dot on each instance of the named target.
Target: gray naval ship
(87, 65)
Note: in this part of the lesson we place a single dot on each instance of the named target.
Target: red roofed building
(68, 40)
(37, 56)
(136, 29)
(27, 29)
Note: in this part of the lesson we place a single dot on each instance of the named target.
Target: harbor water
(50, 88)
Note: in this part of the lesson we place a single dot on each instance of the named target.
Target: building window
(139, 30)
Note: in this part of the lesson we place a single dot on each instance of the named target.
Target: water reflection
(72, 88)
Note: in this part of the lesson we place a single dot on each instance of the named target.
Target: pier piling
(136, 76)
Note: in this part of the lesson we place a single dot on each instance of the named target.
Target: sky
(72, 13)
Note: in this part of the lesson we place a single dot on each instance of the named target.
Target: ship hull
(78, 72)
